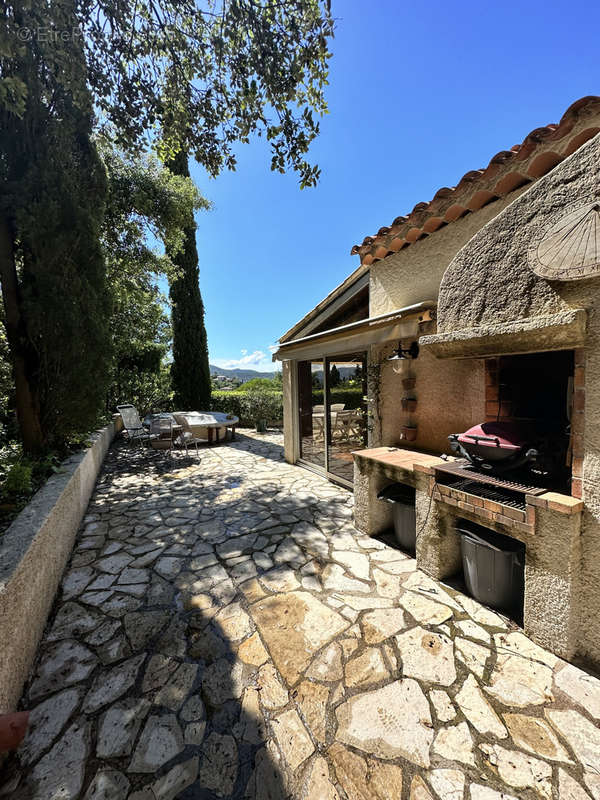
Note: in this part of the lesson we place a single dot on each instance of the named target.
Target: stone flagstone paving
(223, 632)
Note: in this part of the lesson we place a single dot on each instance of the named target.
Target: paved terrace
(223, 631)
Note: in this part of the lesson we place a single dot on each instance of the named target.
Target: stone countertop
(407, 460)
(397, 458)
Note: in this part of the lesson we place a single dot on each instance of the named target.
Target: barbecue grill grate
(506, 498)
(464, 469)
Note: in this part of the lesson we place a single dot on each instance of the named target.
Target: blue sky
(419, 94)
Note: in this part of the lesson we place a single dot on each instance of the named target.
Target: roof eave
(340, 289)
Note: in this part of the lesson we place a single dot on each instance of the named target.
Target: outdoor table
(212, 421)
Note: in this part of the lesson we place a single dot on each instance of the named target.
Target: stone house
(489, 294)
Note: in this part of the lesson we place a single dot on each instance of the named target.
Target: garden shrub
(18, 478)
(352, 397)
(243, 405)
(259, 405)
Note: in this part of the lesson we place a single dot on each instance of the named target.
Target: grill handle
(476, 438)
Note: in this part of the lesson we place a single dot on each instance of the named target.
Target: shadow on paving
(191, 697)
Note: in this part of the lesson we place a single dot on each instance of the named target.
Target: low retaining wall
(33, 554)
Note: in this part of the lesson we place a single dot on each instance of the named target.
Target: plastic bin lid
(397, 493)
(489, 538)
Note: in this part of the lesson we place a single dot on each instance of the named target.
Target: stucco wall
(489, 282)
(450, 395)
(450, 399)
(33, 554)
(414, 274)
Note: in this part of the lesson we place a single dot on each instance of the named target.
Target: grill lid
(505, 435)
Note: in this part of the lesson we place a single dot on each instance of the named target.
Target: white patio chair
(190, 435)
(318, 422)
(341, 424)
(356, 423)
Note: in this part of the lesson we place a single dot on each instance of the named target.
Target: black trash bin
(402, 498)
(493, 566)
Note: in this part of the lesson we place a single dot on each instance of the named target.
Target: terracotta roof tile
(539, 152)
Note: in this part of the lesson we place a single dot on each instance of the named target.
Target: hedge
(232, 402)
(351, 398)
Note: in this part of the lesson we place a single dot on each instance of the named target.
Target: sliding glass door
(346, 413)
(332, 413)
(312, 412)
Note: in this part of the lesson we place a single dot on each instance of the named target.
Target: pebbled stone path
(222, 631)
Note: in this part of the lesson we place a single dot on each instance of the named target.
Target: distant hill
(242, 374)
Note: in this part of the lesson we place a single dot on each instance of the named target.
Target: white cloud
(255, 360)
(259, 360)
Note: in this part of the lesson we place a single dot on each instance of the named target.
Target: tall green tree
(146, 204)
(190, 371)
(51, 264)
(236, 68)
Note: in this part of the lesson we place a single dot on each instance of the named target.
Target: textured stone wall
(33, 554)
(489, 282)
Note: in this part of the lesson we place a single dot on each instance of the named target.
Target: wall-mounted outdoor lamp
(403, 354)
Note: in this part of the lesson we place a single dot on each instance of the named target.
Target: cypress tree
(51, 263)
(190, 372)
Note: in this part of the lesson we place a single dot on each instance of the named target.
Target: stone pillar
(290, 411)
(438, 542)
(371, 516)
(552, 585)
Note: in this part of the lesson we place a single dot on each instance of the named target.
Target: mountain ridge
(242, 374)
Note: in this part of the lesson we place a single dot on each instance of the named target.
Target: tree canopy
(147, 206)
(177, 76)
(213, 73)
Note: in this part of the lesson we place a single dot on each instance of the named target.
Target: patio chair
(318, 421)
(190, 435)
(338, 407)
(341, 424)
(132, 424)
(356, 424)
(161, 433)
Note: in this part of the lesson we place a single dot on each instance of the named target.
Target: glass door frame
(302, 461)
(325, 360)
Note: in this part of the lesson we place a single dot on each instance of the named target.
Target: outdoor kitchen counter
(378, 467)
(549, 526)
(396, 458)
(400, 464)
